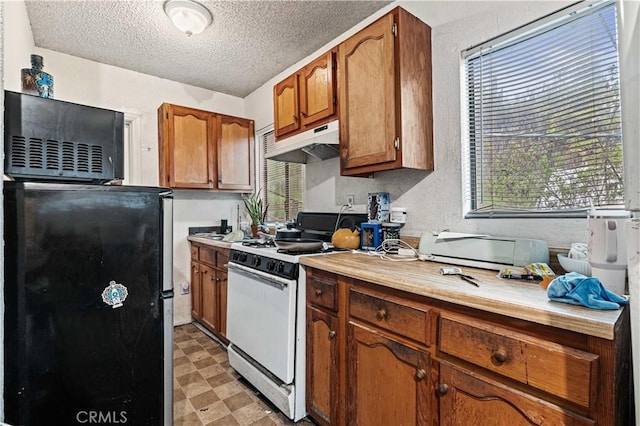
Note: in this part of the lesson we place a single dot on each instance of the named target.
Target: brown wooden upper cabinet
(205, 150)
(235, 153)
(307, 98)
(386, 114)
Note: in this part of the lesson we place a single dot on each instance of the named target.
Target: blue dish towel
(576, 289)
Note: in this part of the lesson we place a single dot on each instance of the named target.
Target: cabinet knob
(295, 118)
(499, 356)
(443, 388)
(381, 314)
(205, 272)
(302, 113)
(332, 334)
(318, 292)
(420, 374)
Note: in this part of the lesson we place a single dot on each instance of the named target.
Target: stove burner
(301, 252)
(259, 243)
(298, 252)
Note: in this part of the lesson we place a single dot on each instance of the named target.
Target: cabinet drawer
(560, 370)
(195, 252)
(222, 258)
(208, 256)
(322, 291)
(408, 321)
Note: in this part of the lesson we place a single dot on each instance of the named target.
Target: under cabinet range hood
(316, 144)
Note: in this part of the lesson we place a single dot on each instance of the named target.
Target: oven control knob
(243, 257)
(271, 265)
(280, 266)
(256, 261)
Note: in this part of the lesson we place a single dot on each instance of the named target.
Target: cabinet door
(187, 147)
(222, 302)
(209, 298)
(235, 153)
(388, 382)
(196, 291)
(322, 362)
(367, 96)
(466, 397)
(285, 106)
(317, 90)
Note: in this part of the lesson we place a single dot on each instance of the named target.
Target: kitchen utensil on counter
(288, 232)
(457, 271)
(345, 238)
(607, 252)
(298, 244)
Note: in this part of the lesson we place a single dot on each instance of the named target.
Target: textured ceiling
(248, 43)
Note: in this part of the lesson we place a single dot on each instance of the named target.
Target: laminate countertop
(514, 298)
(210, 242)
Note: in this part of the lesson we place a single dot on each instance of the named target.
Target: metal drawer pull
(420, 374)
(332, 334)
(443, 389)
(499, 356)
(318, 292)
(381, 314)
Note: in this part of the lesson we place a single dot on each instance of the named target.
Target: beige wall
(433, 200)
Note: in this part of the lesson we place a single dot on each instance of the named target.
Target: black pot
(288, 232)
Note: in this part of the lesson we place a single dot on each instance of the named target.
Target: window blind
(283, 185)
(544, 133)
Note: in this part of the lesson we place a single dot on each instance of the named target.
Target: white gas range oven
(266, 313)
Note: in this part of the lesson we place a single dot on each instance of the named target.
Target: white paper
(446, 235)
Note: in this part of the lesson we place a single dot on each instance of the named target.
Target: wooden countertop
(513, 298)
(210, 242)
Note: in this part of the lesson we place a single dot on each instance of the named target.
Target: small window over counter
(282, 183)
(543, 129)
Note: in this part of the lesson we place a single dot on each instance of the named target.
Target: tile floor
(209, 392)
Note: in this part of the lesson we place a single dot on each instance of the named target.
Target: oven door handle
(262, 276)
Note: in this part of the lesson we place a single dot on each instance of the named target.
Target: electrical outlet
(350, 201)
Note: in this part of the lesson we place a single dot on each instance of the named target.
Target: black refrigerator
(88, 321)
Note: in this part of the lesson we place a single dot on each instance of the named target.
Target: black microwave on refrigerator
(51, 140)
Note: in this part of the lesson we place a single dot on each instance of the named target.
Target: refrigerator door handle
(167, 243)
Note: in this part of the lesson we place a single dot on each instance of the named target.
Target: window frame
(469, 188)
(260, 172)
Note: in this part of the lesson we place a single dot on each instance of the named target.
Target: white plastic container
(607, 248)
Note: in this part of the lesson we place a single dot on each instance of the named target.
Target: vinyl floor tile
(208, 392)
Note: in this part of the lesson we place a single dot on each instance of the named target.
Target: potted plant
(256, 209)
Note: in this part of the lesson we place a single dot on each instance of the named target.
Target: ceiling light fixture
(188, 16)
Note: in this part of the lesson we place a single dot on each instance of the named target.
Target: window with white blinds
(544, 132)
(282, 183)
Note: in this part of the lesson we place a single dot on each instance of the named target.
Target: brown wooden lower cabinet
(466, 398)
(379, 356)
(196, 290)
(322, 363)
(209, 298)
(209, 288)
(387, 381)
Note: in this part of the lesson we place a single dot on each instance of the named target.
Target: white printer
(481, 251)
